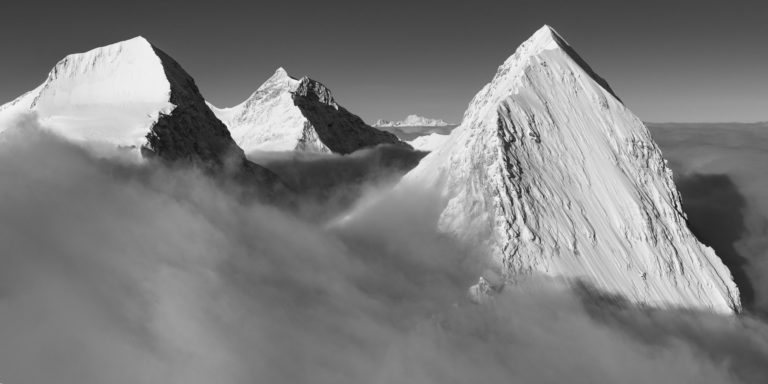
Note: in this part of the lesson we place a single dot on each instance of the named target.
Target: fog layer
(121, 273)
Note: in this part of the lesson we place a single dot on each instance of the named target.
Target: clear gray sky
(669, 60)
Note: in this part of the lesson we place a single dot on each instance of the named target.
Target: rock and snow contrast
(110, 94)
(131, 96)
(553, 174)
(548, 170)
(412, 121)
(429, 142)
(288, 114)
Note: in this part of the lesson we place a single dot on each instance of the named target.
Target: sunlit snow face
(110, 94)
(118, 273)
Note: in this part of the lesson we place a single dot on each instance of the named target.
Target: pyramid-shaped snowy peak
(556, 176)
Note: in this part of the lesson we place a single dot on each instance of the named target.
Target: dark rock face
(192, 134)
(341, 131)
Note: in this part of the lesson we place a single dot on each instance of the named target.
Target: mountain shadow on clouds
(336, 181)
(715, 209)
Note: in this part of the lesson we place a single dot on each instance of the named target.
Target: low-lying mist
(115, 272)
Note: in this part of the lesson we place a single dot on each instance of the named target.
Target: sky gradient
(668, 60)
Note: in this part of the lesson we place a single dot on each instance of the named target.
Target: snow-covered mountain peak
(280, 78)
(281, 82)
(280, 71)
(543, 39)
(136, 53)
(554, 175)
(131, 97)
(289, 114)
(109, 94)
(533, 52)
(136, 41)
(276, 85)
(546, 39)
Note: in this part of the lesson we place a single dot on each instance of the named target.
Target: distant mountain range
(412, 121)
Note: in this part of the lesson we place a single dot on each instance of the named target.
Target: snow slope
(110, 94)
(287, 114)
(131, 96)
(9, 112)
(412, 121)
(555, 175)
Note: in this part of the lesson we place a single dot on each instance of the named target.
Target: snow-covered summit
(546, 38)
(109, 94)
(134, 97)
(554, 175)
(287, 114)
(412, 121)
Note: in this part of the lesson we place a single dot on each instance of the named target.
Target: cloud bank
(115, 272)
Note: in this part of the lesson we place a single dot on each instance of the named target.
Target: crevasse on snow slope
(133, 96)
(287, 114)
(555, 175)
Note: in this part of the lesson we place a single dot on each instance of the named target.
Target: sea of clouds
(116, 272)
